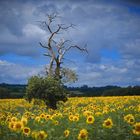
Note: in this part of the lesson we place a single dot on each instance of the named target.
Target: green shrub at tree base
(47, 89)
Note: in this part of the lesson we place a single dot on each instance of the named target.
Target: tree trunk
(50, 69)
(57, 70)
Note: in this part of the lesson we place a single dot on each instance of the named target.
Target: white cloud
(33, 31)
(132, 49)
(17, 73)
(109, 73)
(138, 79)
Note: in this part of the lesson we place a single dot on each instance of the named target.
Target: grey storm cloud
(98, 23)
(132, 2)
(10, 17)
(103, 24)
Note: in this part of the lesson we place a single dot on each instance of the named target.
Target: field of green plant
(100, 118)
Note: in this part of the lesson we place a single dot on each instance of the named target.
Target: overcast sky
(110, 28)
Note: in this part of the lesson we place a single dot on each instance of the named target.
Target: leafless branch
(75, 46)
(65, 27)
(48, 26)
(57, 49)
(43, 45)
(52, 35)
(54, 41)
(52, 16)
(62, 43)
(47, 54)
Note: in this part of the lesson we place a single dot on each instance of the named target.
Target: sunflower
(33, 134)
(57, 115)
(24, 120)
(55, 122)
(71, 117)
(75, 118)
(37, 119)
(47, 117)
(18, 126)
(27, 113)
(8, 118)
(90, 119)
(11, 125)
(14, 119)
(83, 134)
(32, 116)
(108, 123)
(77, 115)
(87, 113)
(136, 129)
(66, 133)
(26, 131)
(98, 113)
(41, 135)
(129, 119)
(43, 115)
(70, 113)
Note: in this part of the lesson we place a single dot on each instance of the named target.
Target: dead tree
(56, 50)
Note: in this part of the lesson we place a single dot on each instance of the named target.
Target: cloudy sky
(110, 28)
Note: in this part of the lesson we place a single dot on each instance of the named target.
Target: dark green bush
(47, 89)
(4, 93)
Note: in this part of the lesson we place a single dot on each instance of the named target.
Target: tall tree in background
(57, 48)
(51, 89)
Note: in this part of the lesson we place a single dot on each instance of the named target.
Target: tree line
(85, 91)
(12, 91)
(18, 91)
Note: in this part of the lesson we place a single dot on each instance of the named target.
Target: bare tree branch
(57, 49)
(75, 46)
(64, 27)
(61, 45)
(47, 54)
(52, 16)
(48, 26)
(54, 41)
(43, 45)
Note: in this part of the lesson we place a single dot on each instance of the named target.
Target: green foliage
(47, 89)
(18, 91)
(68, 75)
(11, 91)
(86, 91)
(3, 92)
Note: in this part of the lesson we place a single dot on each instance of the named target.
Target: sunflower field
(83, 118)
